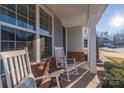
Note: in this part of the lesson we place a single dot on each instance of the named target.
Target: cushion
(28, 82)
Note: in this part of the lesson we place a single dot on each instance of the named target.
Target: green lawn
(115, 59)
(106, 50)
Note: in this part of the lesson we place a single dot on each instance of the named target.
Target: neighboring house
(118, 40)
(104, 40)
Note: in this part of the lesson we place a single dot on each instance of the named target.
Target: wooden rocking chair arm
(53, 74)
(41, 77)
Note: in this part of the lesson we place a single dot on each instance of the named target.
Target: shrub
(109, 65)
(115, 75)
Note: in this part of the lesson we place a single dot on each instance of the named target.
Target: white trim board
(16, 27)
(0, 36)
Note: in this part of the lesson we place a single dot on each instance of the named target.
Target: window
(7, 39)
(26, 39)
(14, 39)
(7, 34)
(32, 7)
(45, 23)
(11, 7)
(5, 46)
(25, 16)
(22, 10)
(31, 15)
(31, 45)
(31, 25)
(20, 39)
(21, 21)
(45, 46)
(46, 31)
(7, 15)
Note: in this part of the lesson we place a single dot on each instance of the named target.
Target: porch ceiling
(70, 14)
(76, 14)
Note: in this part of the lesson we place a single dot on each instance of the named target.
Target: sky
(112, 19)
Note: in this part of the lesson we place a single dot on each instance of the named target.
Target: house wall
(75, 39)
(44, 66)
(58, 33)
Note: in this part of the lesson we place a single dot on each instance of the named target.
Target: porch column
(92, 44)
(37, 35)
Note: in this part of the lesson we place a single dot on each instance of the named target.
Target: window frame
(0, 36)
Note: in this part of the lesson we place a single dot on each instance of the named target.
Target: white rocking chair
(18, 72)
(68, 64)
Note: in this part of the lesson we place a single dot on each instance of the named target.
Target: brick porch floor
(85, 79)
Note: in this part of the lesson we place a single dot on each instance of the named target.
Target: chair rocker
(68, 64)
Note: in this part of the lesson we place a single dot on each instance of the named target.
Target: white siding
(58, 34)
(75, 37)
